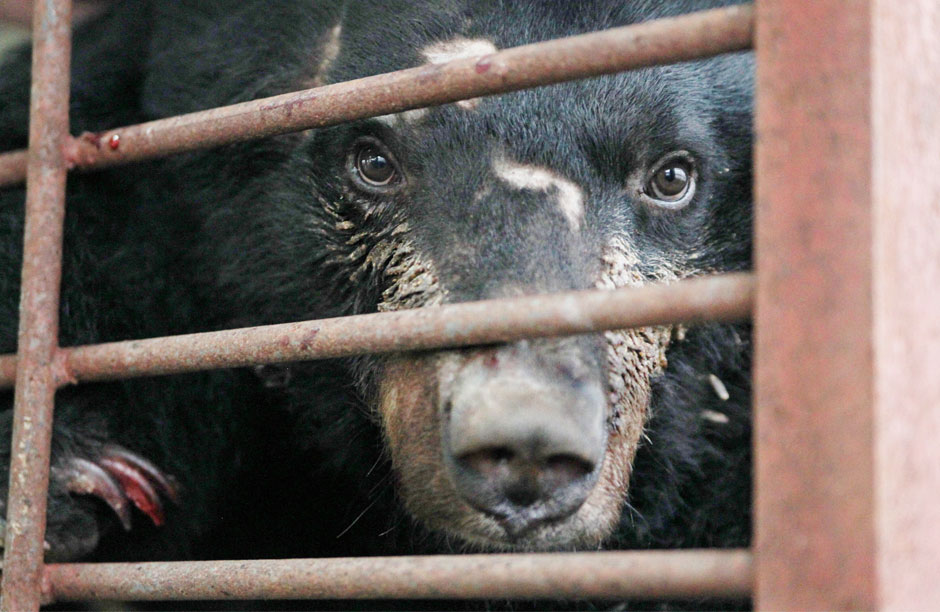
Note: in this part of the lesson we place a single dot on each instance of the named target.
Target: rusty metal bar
(656, 42)
(814, 537)
(721, 297)
(847, 318)
(7, 371)
(12, 167)
(597, 575)
(39, 307)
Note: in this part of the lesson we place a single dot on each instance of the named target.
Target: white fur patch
(459, 48)
(570, 197)
(470, 104)
(403, 118)
(330, 50)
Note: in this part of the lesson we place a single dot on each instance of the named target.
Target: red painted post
(848, 305)
(39, 307)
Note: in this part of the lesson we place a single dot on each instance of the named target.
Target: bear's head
(609, 182)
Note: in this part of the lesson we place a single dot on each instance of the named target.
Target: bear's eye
(671, 184)
(373, 166)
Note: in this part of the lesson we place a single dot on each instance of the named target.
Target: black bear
(633, 438)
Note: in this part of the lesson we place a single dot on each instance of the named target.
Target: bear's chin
(587, 529)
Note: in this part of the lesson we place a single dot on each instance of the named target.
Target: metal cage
(844, 300)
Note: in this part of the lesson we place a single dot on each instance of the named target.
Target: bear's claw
(164, 483)
(118, 476)
(111, 473)
(84, 477)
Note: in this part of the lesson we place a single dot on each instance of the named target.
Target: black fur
(240, 236)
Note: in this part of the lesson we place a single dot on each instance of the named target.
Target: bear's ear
(274, 376)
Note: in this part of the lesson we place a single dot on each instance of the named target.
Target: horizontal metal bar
(661, 41)
(724, 297)
(12, 167)
(595, 575)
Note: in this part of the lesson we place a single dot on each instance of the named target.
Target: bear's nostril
(560, 470)
(522, 476)
(489, 463)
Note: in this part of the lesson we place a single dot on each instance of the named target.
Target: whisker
(378, 460)
(356, 520)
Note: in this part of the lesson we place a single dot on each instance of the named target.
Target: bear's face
(612, 182)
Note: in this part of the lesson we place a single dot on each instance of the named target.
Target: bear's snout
(524, 438)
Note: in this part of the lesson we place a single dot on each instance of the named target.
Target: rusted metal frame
(720, 297)
(596, 575)
(847, 319)
(39, 307)
(656, 42)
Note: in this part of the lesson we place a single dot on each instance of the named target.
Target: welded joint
(46, 591)
(62, 374)
(87, 148)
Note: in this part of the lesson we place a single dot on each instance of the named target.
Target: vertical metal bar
(814, 367)
(847, 316)
(906, 183)
(39, 306)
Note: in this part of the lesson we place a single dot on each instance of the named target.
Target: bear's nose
(522, 447)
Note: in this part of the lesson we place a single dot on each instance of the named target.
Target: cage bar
(814, 539)
(597, 575)
(660, 41)
(726, 297)
(39, 307)
(847, 323)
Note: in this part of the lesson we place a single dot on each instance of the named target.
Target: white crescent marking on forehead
(570, 196)
(459, 48)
